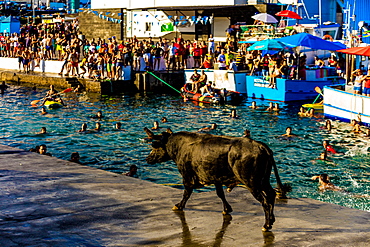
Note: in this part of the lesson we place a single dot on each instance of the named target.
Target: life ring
(327, 36)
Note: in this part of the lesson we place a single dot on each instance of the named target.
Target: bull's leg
(267, 198)
(221, 194)
(187, 193)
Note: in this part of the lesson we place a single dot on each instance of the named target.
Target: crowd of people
(100, 58)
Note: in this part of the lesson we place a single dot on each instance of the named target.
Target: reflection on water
(115, 151)
(187, 239)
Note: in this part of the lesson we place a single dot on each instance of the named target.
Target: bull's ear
(149, 133)
(169, 131)
(156, 144)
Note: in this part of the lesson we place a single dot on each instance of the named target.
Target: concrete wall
(46, 66)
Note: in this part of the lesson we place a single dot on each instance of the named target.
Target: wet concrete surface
(45, 201)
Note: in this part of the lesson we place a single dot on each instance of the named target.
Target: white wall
(137, 22)
(220, 25)
(139, 4)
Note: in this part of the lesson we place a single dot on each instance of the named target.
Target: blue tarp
(308, 40)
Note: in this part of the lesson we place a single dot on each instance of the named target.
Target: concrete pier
(46, 201)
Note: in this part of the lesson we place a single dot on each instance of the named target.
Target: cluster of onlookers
(105, 58)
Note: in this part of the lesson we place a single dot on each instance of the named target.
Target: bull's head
(159, 151)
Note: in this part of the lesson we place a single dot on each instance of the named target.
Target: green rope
(163, 81)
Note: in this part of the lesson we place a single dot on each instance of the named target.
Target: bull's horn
(149, 133)
(169, 131)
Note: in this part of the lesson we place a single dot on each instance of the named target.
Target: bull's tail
(282, 189)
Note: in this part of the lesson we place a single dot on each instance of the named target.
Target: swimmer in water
(247, 133)
(328, 125)
(75, 157)
(83, 128)
(323, 156)
(254, 105)
(43, 130)
(97, 126)
(164, 120)
(276, 107)
(288, 132)
(310, 113)
(43, 111)
(155, 125)
(132, 172)
(367, 133)
(99, 115)
(271, 107)
(353, 122)
(118, 126)
(233, 114)
(302, 112)
(325, 183)
(357, 128)
(329, 148)
(43, 150)
(213, 127)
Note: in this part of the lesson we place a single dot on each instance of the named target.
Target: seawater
(115, 151)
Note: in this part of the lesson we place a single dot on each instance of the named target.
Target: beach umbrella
(289, 14)
(266, 18)
(267, 44)
(362, 51)
(308, 40)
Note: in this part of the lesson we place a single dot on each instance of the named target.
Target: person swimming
(43, 111)
(367, 132)
(247, 133)
(164, 120)
(206, 129)
(276, 107)
(75, 157)
(43, 130)
(357, 128)
(302, 112)
(97, 126)
(156, 126)
(43, 150)
(329, 148)
(83, 128)
(325, 183)
(132, 172)
(271, 107)
(233, 114)
(99, 115)
(288, 132)
(254, 105)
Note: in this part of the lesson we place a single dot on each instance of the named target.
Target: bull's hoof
(175, 208)
(266, 229)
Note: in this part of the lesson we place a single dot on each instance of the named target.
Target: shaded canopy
(308, 40)
(267, 44)
(362, 51)
(289, 14)
(266, 18)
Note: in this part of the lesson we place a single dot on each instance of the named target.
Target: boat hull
(345, 106)
(221, 97)
(53, 104)
(285, 90)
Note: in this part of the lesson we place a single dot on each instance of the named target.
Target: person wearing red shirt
(329, 148)
(366, 90)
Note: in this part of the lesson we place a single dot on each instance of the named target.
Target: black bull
(221, 160)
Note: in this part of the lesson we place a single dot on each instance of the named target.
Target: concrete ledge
(45, 201)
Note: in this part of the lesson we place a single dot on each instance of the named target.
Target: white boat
(344, 105)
